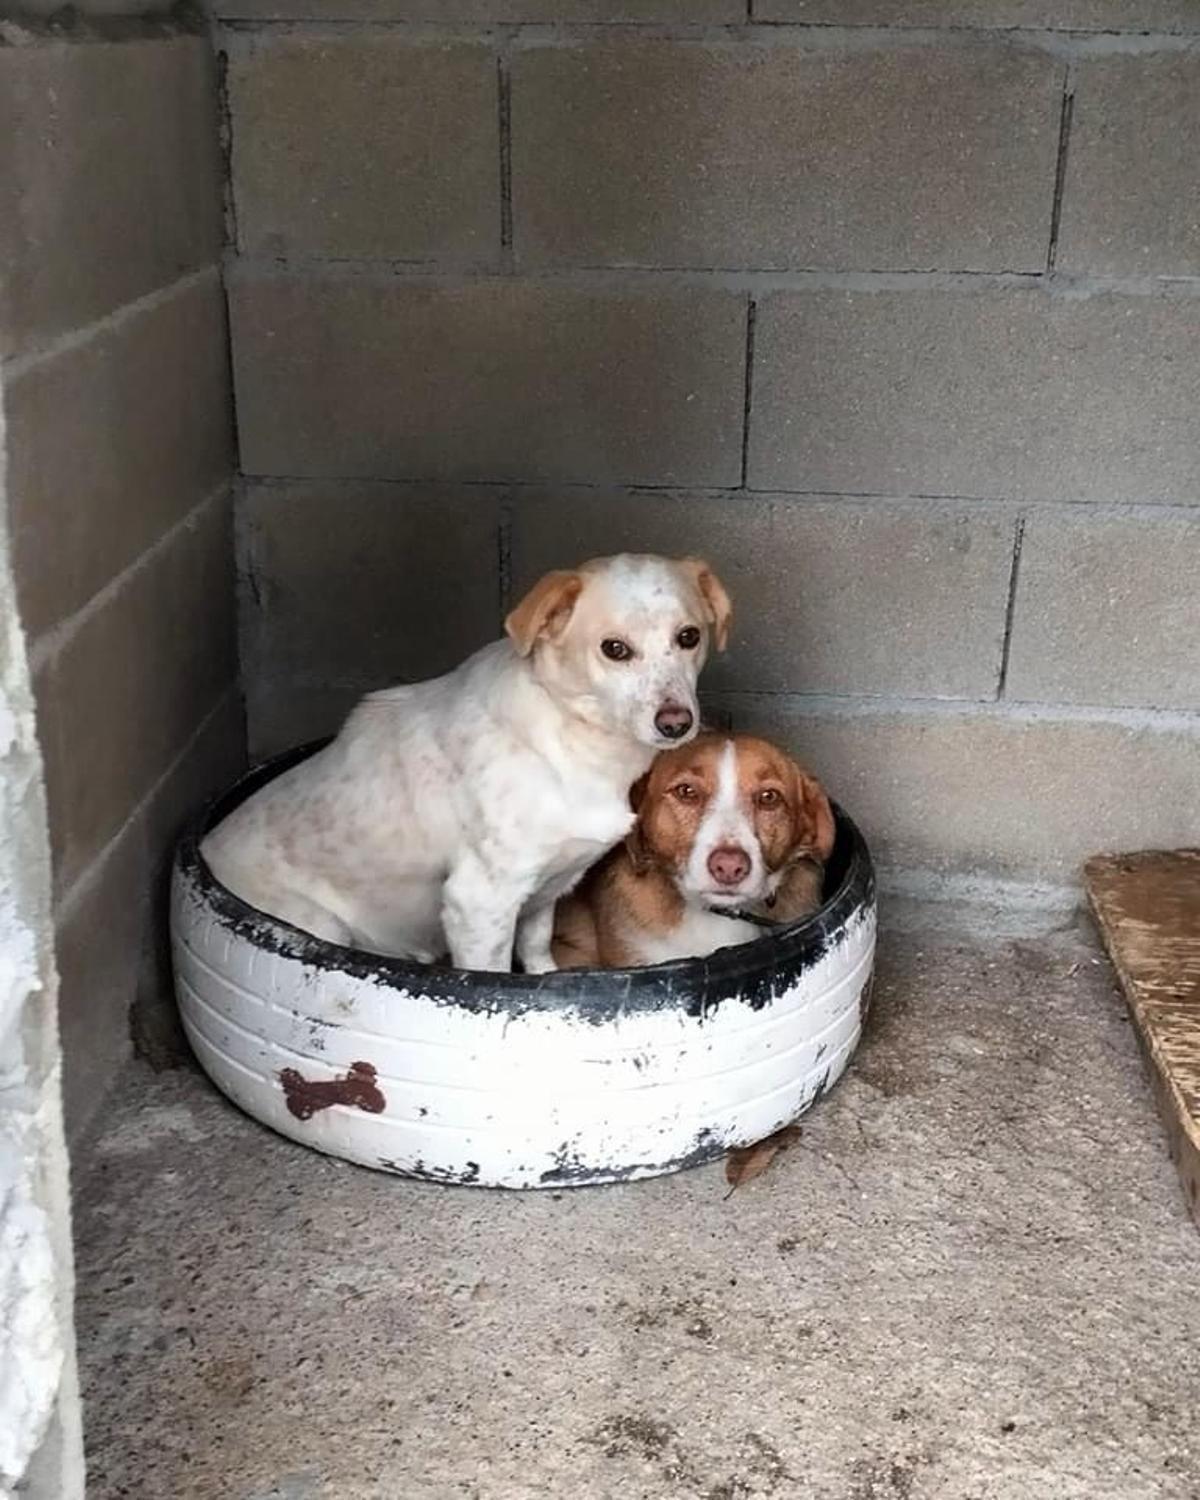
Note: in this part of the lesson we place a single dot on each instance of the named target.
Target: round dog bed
(508, 1080)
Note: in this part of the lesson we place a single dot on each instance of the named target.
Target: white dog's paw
(539, 964)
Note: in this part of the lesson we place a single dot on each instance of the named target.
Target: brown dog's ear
(717, 605)
(814, 826)
(635, 843)
(544, 611)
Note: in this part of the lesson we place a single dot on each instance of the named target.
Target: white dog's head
(621, 641)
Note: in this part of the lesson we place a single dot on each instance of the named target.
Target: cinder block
(1130, 197)
(215, 757)
(100, 939)
(458, 12)
(688, 154)
(110, 178)
(1108, 610)
(394, 378)
(834, 597)
(211, 762)
(128, 689)
(111, 938)
(993, 393)
(110, 443)
(1058, 15)
(1020, 794)
(281, 714)
(364, 585)
(367, 147)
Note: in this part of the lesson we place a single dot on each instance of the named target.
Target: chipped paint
(468, 1176)
(358, 1090)
(572, 1169)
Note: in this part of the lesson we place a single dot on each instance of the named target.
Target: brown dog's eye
(685, 791)
(688, 638)
(616, 650)
(769, 797)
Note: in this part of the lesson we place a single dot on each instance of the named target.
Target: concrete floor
(972, 1278)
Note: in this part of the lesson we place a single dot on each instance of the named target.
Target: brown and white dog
(726, 825)
(450, 815)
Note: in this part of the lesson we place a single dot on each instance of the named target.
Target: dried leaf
(745, 1163)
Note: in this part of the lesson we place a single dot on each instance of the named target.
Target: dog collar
(740, 914)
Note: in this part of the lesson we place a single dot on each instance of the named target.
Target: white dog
(452, 814)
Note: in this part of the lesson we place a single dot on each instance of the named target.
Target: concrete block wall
(116, 396)
(892, 309)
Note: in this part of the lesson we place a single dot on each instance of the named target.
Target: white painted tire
(504, 1080)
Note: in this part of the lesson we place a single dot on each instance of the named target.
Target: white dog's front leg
(535, 931)
(479, 917)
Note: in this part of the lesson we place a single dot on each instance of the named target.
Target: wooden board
(1148, 908)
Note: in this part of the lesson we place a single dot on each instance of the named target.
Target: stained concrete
(651, 153)
(1001, 393)
(1083, 633)
(972, 1278)
(516, 380)
(426, 187)
(1128, 158)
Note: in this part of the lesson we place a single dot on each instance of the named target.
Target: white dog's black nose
(672, 721)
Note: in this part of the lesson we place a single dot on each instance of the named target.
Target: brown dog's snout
(673, 721)
(729, 865)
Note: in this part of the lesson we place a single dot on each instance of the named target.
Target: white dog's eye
(769, 797)
(688, 638)
(685, 791)
(616, 650)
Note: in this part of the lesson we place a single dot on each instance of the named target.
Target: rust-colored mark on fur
(305, 1096)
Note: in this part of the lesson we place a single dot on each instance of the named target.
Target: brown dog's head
(727, 817)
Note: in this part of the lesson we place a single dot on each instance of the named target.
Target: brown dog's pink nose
(673, 721)
(729, 865)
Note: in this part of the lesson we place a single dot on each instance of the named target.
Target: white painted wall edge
(41, 1445)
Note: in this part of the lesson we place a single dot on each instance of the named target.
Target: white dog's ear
(717, 603)
(544, 611)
